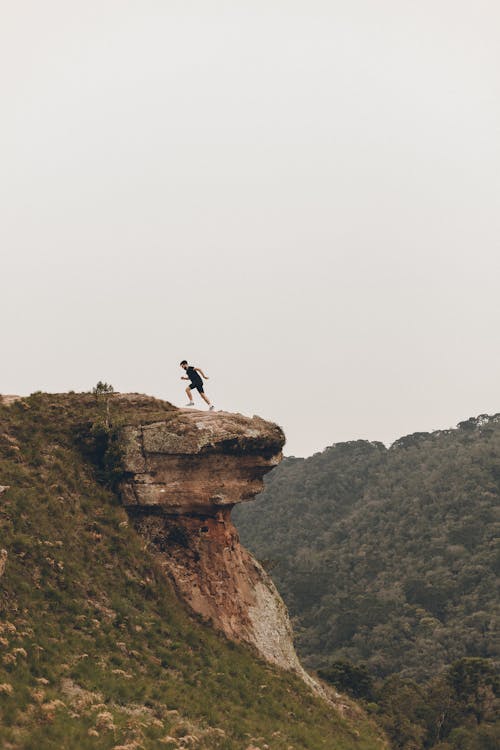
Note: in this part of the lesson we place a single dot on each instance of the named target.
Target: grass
(96, 651)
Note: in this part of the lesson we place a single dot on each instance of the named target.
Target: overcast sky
(301, 197)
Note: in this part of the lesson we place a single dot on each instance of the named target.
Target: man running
(195, 384)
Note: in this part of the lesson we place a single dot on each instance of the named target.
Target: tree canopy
(388, 560)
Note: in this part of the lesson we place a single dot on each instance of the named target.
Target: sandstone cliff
(184, 475)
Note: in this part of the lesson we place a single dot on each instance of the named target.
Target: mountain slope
(96, 649)
(387, 557)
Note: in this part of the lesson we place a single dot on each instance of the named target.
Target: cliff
(184, 476)
(96, 649)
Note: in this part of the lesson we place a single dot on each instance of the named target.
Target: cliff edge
(184, 474)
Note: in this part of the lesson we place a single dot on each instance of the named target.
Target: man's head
(184, 364)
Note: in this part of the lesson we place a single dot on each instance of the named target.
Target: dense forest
(388, 560)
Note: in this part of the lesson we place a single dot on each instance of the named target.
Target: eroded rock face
(199, 462)
(185, 475)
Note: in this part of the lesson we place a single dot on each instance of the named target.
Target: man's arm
(201, 373)
(184, 377)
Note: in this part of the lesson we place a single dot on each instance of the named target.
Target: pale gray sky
(301, 197)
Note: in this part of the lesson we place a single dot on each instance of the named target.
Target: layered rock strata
(184, 475)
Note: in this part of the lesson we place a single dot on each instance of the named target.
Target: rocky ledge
(184, 475)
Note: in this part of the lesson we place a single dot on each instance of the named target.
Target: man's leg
(205, 398)
(189, 395)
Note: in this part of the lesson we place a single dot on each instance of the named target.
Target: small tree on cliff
(102, 391)
(99, 439)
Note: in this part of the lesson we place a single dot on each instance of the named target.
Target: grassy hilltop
(96, 651)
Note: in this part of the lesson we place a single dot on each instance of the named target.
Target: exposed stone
(191, 462)
(9, 399)
(4, 488)
(185, 474)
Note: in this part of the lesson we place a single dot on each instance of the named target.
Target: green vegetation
(388, 560)
(95, 649)
(456, 710)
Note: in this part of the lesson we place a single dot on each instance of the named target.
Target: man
(195, 384)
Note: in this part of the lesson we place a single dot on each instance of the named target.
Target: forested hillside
(387, 558)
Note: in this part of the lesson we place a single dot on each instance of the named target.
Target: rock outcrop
(8, 399)
(184, 475)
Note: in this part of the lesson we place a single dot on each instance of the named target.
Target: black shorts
(196, 387)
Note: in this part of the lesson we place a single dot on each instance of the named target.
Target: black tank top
(193, 375)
